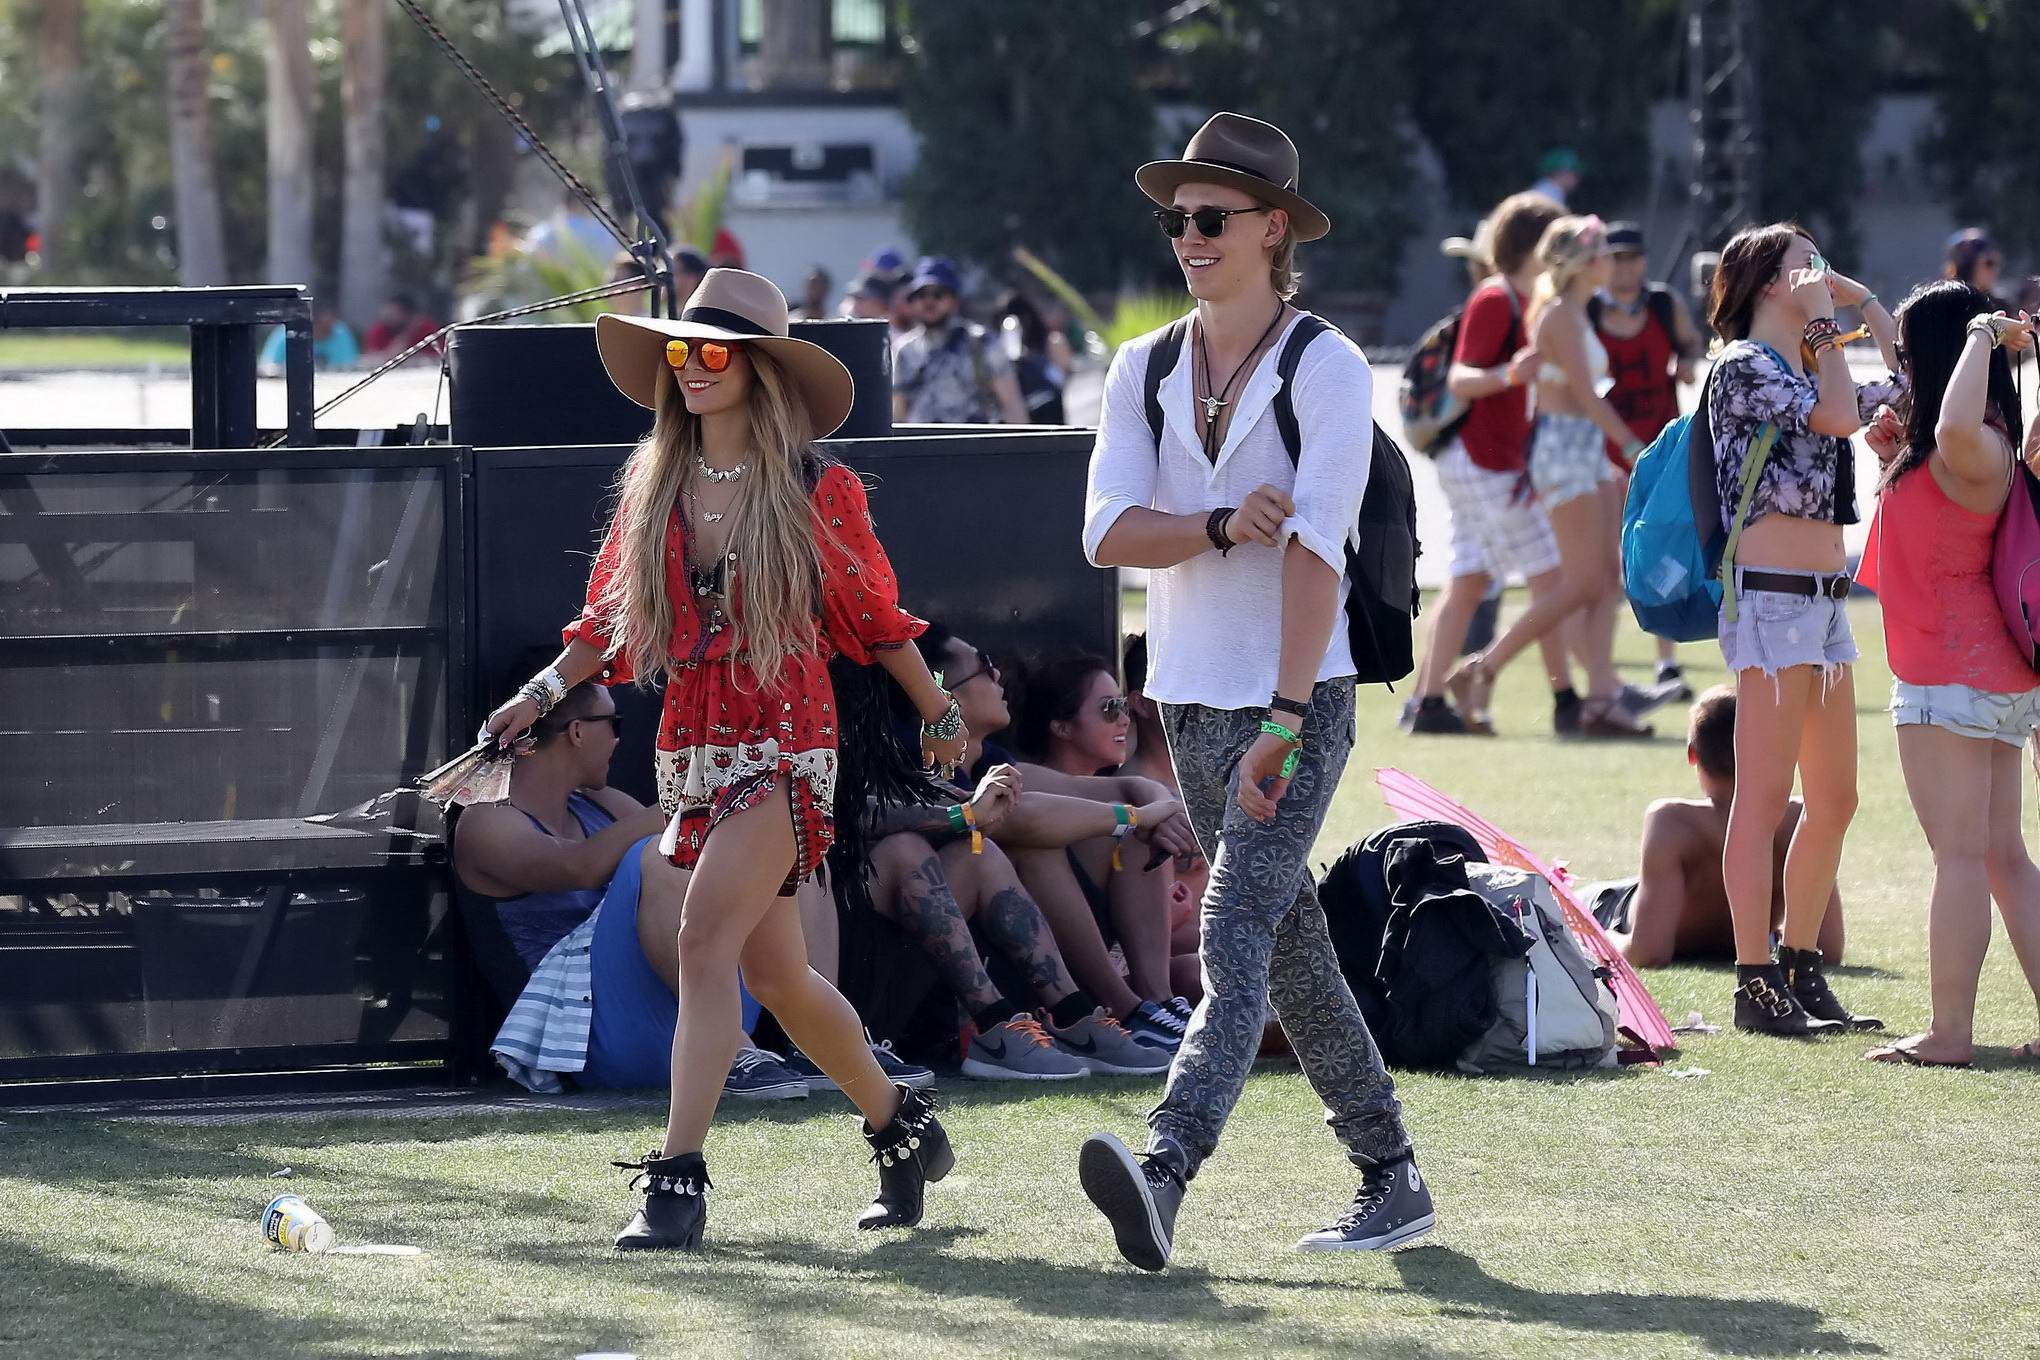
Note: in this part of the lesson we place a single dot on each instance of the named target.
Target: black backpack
(1381, 553)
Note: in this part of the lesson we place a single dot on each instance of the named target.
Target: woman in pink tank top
(1965, 700)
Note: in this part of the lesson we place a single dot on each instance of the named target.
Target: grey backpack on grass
(1572, 1023)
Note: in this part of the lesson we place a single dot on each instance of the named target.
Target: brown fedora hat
(739, 307)
(1247, 154)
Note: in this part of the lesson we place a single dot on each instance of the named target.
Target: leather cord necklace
(1214, 404)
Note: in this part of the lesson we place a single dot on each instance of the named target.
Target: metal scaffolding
(1726, 115)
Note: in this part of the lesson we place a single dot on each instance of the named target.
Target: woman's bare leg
(1770, 714)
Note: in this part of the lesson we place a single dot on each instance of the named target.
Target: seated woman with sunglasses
(1075, 729)
(739, 560)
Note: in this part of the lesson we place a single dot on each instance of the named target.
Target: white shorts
(1497, 529)
(1568, 458)
(1967, 711)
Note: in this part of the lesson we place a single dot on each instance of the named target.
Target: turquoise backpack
(1673, 573)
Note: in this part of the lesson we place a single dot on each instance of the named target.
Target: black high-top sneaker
(1138, 1198)
(911, 1151)
(1802, 968)
(1392, 1207)
(676, 1203)
(1765, 1005)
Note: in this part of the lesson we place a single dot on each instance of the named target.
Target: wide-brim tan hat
(1243, 153)
(738, 307)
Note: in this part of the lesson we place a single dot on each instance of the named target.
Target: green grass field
(1796, 1200)
(54, 351)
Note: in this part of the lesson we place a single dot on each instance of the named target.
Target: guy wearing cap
(1558, 173)
(1254, 680)
(949, 372)
(1652, 345)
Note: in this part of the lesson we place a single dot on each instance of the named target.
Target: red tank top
(1645, 394)
(1929, 561)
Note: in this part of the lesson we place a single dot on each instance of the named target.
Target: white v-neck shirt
(1215, 623)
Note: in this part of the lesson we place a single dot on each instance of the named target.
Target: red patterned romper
(723, 744)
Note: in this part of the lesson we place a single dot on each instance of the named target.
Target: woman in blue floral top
(1784, 626)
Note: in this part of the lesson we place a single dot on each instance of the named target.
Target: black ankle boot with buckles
(1764, 1004)
(1803, 975)
(911, 1151)
(676, 1203)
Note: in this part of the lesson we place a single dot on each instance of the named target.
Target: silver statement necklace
(719, 474)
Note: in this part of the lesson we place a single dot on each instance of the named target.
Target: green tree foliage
(1984, 149)
(1030, 129)
(1504, 81)
(449, 153)
(1336, 78)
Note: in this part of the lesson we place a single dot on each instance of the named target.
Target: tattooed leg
(910, 889)
(1009, 917)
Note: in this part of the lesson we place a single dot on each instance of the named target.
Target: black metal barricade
(198, 651)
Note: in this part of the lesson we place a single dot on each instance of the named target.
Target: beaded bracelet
(949, 726)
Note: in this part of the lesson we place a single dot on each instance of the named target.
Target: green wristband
(1122, 815)
(1289, 761)
(1276, 729)
(956, 820)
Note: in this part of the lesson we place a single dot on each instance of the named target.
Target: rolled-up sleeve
(1334, 402)
(1123, 461)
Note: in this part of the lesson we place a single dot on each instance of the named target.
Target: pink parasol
(1410, 797)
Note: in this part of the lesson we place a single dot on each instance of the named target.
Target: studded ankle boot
(911, 1151)
(1802, 968)
(1764, 1004)
(676, 1203)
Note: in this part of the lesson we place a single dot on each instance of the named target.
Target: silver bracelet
(539, 695)
(1986, 326)
(949, 726)
(555, 683)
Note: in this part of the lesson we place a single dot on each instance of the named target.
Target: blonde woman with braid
(739, 561)
(1568, 463)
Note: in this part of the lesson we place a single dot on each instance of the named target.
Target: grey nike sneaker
(1102, 1044)
(1020, 1050)
(1391, 1209)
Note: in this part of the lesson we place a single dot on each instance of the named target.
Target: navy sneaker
(1182, 1006)
(897, 1070)
(758, 1075)
(1391, 1209)
(1156, 1026)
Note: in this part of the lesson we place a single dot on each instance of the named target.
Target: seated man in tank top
(547, 884)
(1677, 909)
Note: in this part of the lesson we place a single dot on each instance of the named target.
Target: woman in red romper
(739, 561)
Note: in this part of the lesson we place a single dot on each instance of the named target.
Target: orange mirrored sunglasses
(714, 354)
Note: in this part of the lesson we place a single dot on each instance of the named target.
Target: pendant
(1212, 406)
(716, 518)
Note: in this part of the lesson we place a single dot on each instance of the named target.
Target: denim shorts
(1776, 630)
(1568, 458)
(1967, 711)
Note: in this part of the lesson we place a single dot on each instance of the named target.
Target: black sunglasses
(985, 667)
(615, 721)
(1210, 221)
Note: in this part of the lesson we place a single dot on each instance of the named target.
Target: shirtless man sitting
(1678, 908)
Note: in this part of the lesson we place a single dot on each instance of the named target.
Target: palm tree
(290, 143)
(364, 265)
(63, 104)
(201, 245)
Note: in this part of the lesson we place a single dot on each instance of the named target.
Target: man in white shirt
(1251, 667)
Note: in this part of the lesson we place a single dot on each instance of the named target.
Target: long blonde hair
(775, 581)
(1567, 247)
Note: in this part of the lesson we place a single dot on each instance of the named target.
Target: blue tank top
(537, 921)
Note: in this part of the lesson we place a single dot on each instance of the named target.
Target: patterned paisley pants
(1265, 939)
